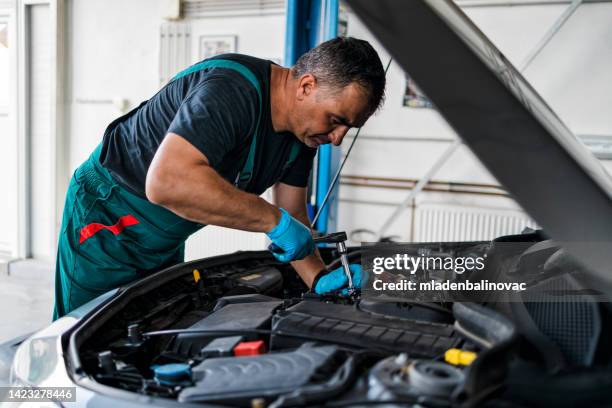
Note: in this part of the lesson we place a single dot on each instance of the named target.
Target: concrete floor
(26, 303)
(26, 297)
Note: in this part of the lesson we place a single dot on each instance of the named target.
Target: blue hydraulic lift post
(296, 36)
(329, 156)
(310, 22)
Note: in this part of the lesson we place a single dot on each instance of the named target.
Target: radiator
(451, 224)
(174, 50)
(211, 240)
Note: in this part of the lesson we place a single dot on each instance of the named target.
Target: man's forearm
(309, 267)
(203, 196)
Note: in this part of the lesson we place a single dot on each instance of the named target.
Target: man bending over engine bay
(200, 152)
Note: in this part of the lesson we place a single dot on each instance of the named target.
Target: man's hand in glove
(291, 240)
(328, 282)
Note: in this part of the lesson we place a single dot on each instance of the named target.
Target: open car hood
(503, 120)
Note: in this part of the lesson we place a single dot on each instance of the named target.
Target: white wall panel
(515, 30)
(260, 36)
(114, 47)
(8, 133)
(572, 73)
(7, 180)
(213, 240)
(42, 180)
(411, 159)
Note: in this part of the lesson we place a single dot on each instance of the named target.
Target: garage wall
(579, 85)
(7, 209)
(39, 130)
(113, 56)
(113, 61)
(571, 73)
(8, 148)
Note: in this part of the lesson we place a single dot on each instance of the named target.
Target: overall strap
(246, 173)
(293, 154)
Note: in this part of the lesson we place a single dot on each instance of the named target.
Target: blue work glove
(291, 240)
(328, 282)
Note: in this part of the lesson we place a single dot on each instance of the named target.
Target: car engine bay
(243, 330)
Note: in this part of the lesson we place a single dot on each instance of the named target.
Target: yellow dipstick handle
(459, 357)
(196, 275)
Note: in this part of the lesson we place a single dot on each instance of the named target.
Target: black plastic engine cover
(350, 326)
(232, 316)
(239, 379)
(266, 279)
(410, 311)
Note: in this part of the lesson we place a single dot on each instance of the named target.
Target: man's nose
(338, 134)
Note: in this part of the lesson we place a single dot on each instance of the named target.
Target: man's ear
(306, 84)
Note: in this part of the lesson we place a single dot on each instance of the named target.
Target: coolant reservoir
(397, 377)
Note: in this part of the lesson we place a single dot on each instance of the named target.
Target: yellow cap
(459, 357)
(196, 275)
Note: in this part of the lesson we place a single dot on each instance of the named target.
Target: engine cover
(229, 316)
(238, 380)
(351, 326)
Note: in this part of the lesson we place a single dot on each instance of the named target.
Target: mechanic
(200, 152)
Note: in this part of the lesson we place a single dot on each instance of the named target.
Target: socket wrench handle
(339, 239)
(332, 238)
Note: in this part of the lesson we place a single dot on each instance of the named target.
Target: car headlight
(35, 361)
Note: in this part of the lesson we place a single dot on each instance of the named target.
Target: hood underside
(503, 120)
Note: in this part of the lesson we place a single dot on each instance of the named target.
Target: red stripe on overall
(92, 229)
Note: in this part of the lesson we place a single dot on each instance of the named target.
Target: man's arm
(293, 199)
(181, 180)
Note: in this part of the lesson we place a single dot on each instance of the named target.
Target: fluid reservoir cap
(172, 373)
(459, 357)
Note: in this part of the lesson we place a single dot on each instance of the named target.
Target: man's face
(325, 116)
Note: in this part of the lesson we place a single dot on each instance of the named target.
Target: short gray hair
(340, 61)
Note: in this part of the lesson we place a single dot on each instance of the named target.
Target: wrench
(339, 239)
